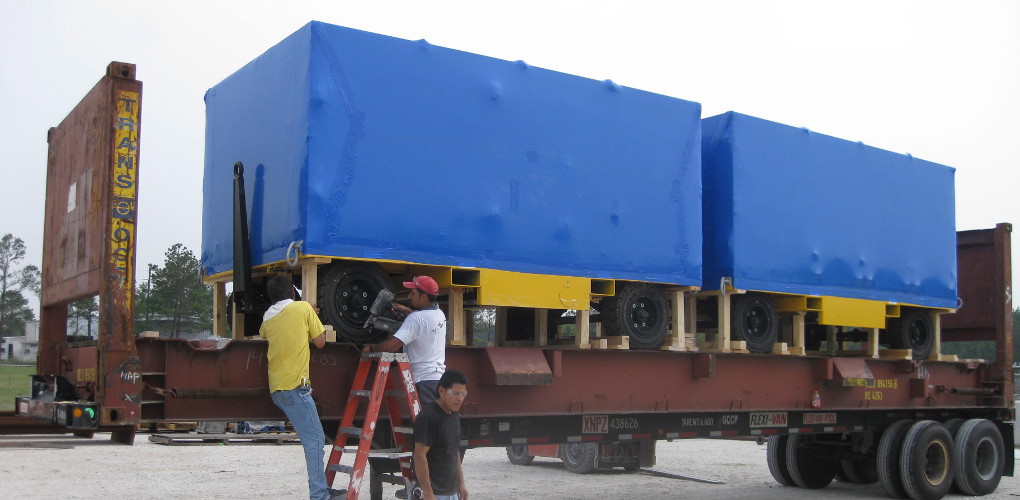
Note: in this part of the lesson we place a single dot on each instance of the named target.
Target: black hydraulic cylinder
(243, 296)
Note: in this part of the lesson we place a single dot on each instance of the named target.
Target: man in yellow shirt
(289, 325)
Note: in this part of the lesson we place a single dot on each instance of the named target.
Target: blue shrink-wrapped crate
(366, 146)
(793, 211)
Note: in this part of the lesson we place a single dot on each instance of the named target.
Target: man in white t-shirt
(422, 336)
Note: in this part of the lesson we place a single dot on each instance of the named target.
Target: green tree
(14, 309)
(175, 295)
(83, 311)
(483, 325)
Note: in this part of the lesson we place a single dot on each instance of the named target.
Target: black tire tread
(776, 453)
(518, 454)
(330, 278)
(613, 311)
(898, 332)
(587, 461)
(970, 434)
(913, 462)
(888, 460)
(807, 470)
(742, 304)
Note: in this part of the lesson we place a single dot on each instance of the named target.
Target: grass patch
(14, 382)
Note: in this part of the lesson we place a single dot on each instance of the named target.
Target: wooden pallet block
(896, 353)
(780, 348)
(712, 347)
(598, 344)
(739, 345)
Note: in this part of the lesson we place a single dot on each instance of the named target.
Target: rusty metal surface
(587, 381)
(984, 281)
(89, 242)
(10, 424)
(232, 381)
(515, 366)
(986, 291)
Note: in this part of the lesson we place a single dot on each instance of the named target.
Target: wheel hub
(354, 303)
(936, 463)
(642, 314)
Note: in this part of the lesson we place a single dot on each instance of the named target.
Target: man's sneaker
(337, 493)
(401, 494)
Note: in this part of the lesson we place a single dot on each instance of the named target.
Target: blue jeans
(297, 404)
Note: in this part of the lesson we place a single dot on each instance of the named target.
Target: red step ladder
(392, 385)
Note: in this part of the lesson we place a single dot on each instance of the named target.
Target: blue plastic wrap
(367, 146)
(790, 210)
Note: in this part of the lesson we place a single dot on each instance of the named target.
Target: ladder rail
(350, 411)
(392, 378)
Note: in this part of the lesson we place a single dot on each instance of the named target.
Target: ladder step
(404, 430)
(379, 453)
(363, 393)
(351, 431)
(343, 469)
(392, 479)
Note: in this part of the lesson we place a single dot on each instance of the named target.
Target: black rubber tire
(979, 456)
(518, 454)
(776, 453)
(953, 425)
(888, 460)
(859, 471)
(841, 474)
(807, 469)
(753, 319)
(926, 461)
(912, 330)
(579, 458)
(346, 292)
(639, 311)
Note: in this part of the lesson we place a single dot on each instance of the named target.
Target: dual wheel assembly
(914, 459)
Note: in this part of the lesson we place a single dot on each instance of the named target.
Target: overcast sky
(935, 79)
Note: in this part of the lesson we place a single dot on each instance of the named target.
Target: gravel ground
(67, 467)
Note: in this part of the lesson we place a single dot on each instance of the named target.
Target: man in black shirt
(437, 442)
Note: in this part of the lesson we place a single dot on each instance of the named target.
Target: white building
(22, 349)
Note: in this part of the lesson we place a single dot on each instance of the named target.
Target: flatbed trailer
(812, 408)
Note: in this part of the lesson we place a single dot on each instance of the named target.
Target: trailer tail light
(83, 416)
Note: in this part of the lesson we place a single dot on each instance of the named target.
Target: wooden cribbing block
(738, 345)
(780, 348)
(712, 347)
(149, 335)
(598, 344)
(618, 342)
(896, 353)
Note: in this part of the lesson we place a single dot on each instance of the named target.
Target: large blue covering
(367, 146)
(790, 210)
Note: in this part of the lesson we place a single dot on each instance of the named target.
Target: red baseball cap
(423, 283)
